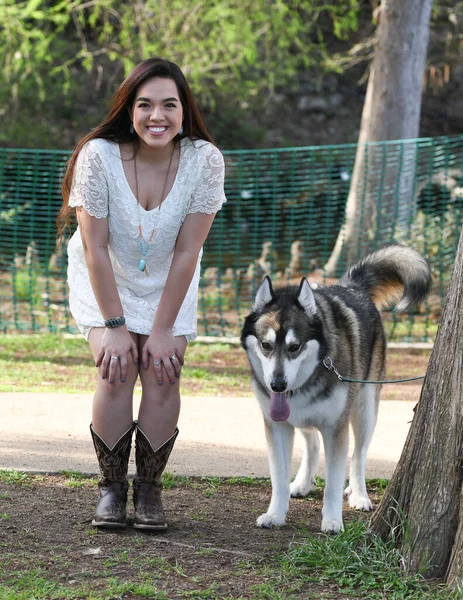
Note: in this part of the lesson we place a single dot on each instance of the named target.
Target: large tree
(423, 504)
(381, 185)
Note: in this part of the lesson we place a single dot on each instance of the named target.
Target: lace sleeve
(209, 194)
(89, 185)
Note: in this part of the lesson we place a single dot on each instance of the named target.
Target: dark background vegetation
(266, 74)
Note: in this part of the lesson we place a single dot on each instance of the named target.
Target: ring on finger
(157, 363)
(173, 358)
(114, 358)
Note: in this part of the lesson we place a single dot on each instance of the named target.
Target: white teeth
(157, 129)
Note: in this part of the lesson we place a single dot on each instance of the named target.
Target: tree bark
(455, 568)
(423, 503)
(382, 180)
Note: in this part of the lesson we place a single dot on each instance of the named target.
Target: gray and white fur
(287, 336)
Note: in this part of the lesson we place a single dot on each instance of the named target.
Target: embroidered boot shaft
(113, 485)
(147, 484)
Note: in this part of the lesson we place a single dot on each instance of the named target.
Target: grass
(34, 585)
(352, 564)
(63, 363)
(403, 330)
(12, 477)
(169, 480)
(26, 286)
(362, 563)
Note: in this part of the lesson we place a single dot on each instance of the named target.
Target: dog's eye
(294, 347)
(266, 346)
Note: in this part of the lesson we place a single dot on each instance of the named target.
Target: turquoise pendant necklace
(142, 266)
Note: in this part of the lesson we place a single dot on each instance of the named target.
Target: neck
(155, 155)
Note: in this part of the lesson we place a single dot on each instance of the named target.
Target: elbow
(90, 250)
(187, 255)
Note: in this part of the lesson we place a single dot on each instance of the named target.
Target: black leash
(328, 363)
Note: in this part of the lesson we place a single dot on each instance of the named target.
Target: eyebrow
(143, 99)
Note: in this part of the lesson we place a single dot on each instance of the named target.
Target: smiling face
(157, 112)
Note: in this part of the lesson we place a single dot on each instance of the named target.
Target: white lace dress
(101, 188)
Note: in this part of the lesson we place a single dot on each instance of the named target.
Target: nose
(156, 114)
(278, 383)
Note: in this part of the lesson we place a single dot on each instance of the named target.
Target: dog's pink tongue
(279, 407)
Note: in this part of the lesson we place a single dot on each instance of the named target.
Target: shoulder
(98, 147)
(203, 151)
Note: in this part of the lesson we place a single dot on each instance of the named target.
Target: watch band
(114, 322)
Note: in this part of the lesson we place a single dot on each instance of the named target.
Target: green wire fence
(285, 216)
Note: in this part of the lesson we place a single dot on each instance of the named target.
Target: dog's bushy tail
(391, 274)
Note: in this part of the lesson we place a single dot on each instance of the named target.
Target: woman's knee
(158, 392)
(116, 388)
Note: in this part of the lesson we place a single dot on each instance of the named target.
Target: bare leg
(160, 404)
(112, 411)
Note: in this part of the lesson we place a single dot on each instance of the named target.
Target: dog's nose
(278, 384)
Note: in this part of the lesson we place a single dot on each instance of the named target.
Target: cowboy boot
(113, 485)
(147, 484)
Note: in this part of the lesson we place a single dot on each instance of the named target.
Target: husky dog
(292, 336)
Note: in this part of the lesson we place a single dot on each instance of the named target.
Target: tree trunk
(423, 503)
(382, 180)
(455, 568)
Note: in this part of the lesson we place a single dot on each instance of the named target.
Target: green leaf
(30, 8)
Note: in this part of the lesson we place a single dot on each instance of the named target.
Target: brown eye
(294, 347)
(266, 346)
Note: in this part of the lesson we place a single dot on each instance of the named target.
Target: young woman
(146, 185)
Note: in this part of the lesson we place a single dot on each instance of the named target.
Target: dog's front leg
(305, 478)
(280, 438)
(336, 443)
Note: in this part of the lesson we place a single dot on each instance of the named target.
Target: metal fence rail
(285, 210)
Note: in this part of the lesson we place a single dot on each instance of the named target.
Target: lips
(157, 130)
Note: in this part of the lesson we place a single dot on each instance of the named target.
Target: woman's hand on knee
(117, 347)
(167, 354)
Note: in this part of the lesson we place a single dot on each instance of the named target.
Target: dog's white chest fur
(321, 413)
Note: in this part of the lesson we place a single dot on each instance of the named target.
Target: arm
(161, 343)
(115, 342)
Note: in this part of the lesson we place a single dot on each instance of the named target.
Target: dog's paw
(332, 526)
(300, 490)
(267, 521)
(348, 491)
(360, 502)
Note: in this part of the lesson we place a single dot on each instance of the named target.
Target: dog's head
(283, 339)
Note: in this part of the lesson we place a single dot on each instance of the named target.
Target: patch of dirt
(212, 542)
(401, 364)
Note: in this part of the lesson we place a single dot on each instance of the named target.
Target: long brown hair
(116, 125)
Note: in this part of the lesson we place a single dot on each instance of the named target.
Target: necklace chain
(142, 266)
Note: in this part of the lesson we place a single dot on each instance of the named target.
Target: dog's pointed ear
(306, 298)
(264, 295)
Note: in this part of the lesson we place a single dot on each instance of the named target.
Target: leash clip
(328, 363)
